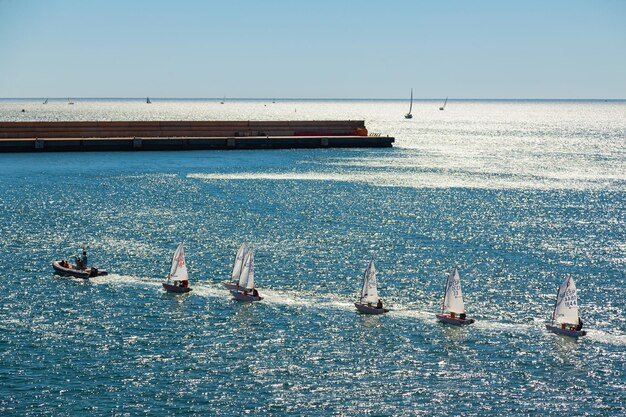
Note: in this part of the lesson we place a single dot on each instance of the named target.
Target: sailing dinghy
(409, 115)
(566, 311)
(453, 302)
(246, 280)
(233, 284)
(178, 273)
(369, 303)
(444, 104)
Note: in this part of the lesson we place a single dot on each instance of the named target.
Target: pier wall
(184, 135)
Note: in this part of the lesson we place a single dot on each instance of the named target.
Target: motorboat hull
(175, 288)
(77, 273)
(240, 296)
(232, 287)
(364, 308)
(565, 332)
(444, 318)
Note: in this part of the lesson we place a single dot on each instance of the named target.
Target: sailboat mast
(556, 301)
(363, 284)
(411, 105)
(445, 291)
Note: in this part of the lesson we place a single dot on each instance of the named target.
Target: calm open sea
(517, 193)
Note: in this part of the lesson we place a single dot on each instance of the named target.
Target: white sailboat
(246, 280)
(223, 100)
(46, 101)
(369, 302)
(453, 301)
(233, 284)
(444, 104)
(178, 273)
(69, 101)
(565, 318)
(148, 100)
(409, 115)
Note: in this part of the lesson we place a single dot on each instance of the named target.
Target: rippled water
(518, 194)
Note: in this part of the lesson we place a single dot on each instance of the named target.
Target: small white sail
(566, 308)
(238, 264)
(453, 300)
(246, 279)
(178, 270)
(369, 291)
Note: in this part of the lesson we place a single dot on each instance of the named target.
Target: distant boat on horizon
(223, 100)
(444, 104)
(409, 115)
(69, 101)
(148, 100)
(46, 101)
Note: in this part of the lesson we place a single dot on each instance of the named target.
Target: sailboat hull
(565, 332)
(240, 296)
(175, 288)
(444, 318)
(408, 116)
(364, 308)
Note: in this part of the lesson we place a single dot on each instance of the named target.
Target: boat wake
(310, 301)
(605, 337)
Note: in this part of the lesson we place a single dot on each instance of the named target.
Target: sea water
(518, 194)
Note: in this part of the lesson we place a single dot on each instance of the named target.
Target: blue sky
(315, 49)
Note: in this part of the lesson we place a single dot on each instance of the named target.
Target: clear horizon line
(313, 98)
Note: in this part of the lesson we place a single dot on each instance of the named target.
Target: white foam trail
(125, 279)
(210, 291)
(291, 298)
(608, 338)
(406, 313)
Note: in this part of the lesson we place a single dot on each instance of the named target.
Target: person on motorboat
(81, 260)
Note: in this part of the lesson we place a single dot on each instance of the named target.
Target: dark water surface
(516, 211)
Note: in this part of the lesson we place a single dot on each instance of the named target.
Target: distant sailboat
(246, 280)
(566, 311)
(444, 104)
(69, 101)
(369, 302)
(46, 101)
(148, 100)
(453, 301)
(223, 100)
(178, 273)
(233, 284)
(409, 115)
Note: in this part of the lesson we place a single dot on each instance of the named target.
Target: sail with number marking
(566, 308)
(453, 299)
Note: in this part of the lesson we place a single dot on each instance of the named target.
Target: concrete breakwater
(185, 135)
